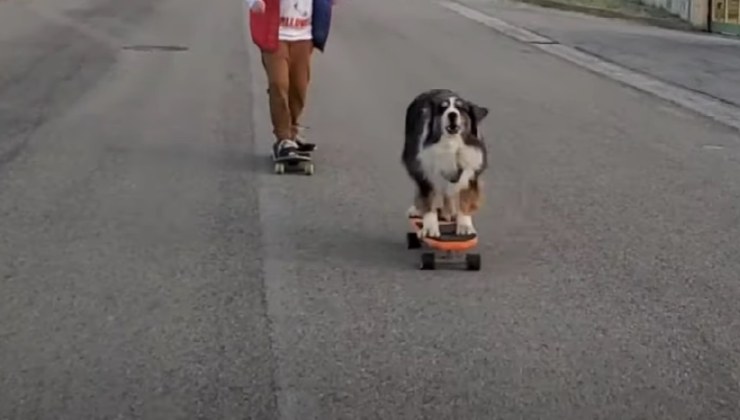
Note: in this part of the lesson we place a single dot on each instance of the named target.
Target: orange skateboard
(450, 247)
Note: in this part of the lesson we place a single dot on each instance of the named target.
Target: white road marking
(700, 103)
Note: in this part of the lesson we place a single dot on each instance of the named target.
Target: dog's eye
(444, 105)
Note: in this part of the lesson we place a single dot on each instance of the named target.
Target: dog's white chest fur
(446, 160)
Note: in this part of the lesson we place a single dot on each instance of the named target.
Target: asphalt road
(152, 266)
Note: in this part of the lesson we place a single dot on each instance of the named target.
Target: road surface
(152, 266)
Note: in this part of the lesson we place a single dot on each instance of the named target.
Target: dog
(445, 156)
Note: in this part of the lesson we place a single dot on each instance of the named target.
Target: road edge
(700, 103)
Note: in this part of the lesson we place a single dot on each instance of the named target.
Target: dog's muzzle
(453, 123)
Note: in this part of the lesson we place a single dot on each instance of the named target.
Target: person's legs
(300, 76)
(277, 67)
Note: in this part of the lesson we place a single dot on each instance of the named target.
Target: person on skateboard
(286, 32)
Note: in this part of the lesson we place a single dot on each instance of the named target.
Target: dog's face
(455, 115)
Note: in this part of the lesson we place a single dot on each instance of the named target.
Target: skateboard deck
(300, 161)
(449, 240)
(449, 243)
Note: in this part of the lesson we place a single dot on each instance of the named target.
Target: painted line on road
(702, 104)
(293, 402)
(512, 31)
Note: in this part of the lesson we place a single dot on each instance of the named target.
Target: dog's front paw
(465, 225)
(430, 226)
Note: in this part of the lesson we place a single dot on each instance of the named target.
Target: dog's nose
(452, 116)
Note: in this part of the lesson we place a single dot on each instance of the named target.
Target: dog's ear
(479, 112)
(425, 127)
(432, 126)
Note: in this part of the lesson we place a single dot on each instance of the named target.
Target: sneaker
(303, 145)
(286, 148)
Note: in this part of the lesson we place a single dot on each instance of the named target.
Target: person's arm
(255, 5)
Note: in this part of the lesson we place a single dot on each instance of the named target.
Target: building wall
(680, 8)
(699, 16)
(692, 11)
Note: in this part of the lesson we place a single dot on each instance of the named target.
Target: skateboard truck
(300, 160)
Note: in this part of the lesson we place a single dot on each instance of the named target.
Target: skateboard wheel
(279, 168)
(412, 240)
(472, 262)
(427, 261)
(308, 169)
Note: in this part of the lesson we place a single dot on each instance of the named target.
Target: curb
(700, 103)
(666, 23)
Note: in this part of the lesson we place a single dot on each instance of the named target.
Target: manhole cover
(151, 48)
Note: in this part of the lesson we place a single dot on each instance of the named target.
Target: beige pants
(288, 73)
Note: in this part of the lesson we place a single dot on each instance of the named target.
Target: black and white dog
(444, 155)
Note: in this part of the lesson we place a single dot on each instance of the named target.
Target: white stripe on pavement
(702, 104)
